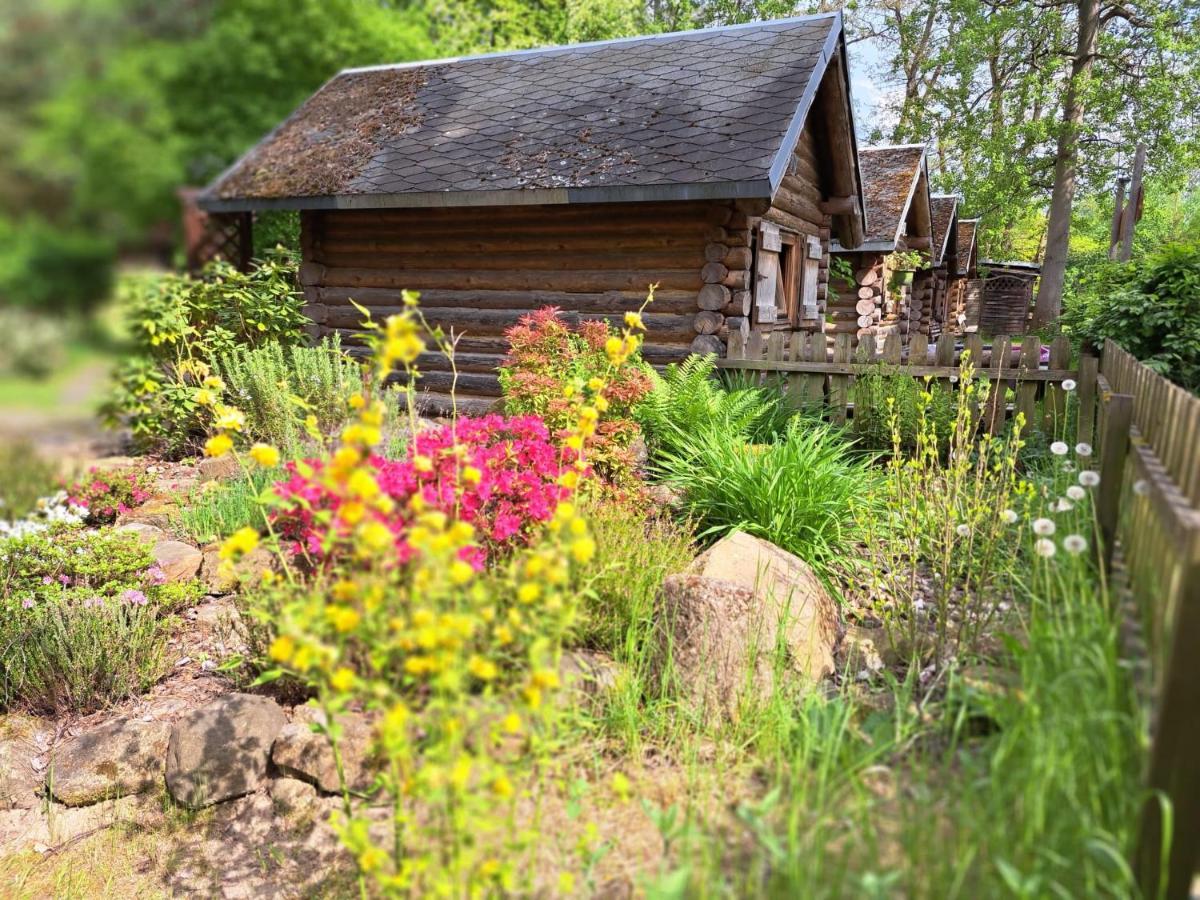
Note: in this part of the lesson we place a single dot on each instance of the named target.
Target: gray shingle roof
(889, 176)
(710, 113)
(944, 207)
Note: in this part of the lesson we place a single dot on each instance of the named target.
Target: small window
(786, 270)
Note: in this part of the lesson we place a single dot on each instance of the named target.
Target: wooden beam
(839, 206)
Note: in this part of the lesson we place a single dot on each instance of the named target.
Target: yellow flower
(529, 591)
(634, 320)
(345, 590)
(460, 773)
(265, 455)
(214, 383)
(351, 512)
(342, 680)
(504, 635)
(566, 883)
(422, 463)
(501, 786)
(569, 479)
(471, 475)
(511, 723)
(483, 669)
(241, 541)
(461, 572)
(363, 484)
(357, 401)
(218, 445)
(205, 397)
(282, 648)
(583, 549)
(375, 536)
(578, 527)
(575, 441)
(620, 785)
(345, 618)
(545, 678)
(229, 418)
(596, 384)
(311, 427)
(601, 403)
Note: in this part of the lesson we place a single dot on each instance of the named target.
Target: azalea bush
(501, 476)
(106, 494)
(549, 366)
(439, 608)
(84, 618)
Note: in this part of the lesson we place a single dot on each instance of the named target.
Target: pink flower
(27, 603)
(135, 597)
(156, 575)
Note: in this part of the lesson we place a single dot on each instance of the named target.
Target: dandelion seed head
(1044, 527)
(1009, 516)
(1059, 448)
(1075, 492)
(1083, 449)
(1074, 544)
(963, 530)
(1139, 487)
(1063, 505)
(1068, 384)
(1090, 478)
(1045, 547)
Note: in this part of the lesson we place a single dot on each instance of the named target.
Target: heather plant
(548, 366)
(106, 494)
(84, 618)
(451, 648)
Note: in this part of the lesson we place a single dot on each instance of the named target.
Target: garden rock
(147, 534)
(217, 468)
(859, 651)
(118, 759)
(219, 579)
(158, 513)
(587, 673)
(220, 751)
(178, 560)
(727, 615)
(292, 796)
(18, 783)
(303, 753)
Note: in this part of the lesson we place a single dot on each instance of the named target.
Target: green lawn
(74, 390)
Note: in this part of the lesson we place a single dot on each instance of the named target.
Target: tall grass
(797, 493)
(221, 510)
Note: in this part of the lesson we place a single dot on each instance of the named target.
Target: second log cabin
(716, 164)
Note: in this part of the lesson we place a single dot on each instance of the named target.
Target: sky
(869, 94)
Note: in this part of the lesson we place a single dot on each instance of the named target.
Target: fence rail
(817, 374)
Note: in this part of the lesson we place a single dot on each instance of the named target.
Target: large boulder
(158, 513)
(18, 783)
(123, 757)
(224, 576)
(179, 561)
(729, 616)
(221, 750)
(306, 754)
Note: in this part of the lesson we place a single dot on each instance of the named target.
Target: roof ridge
(913, 145)
(561, 48)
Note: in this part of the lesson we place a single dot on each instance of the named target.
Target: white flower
(1068, 384)
(1063, 505)
(1075, 492)
(1140, 486)
(1009, 516)
(1088, 478)
(1044, 527)
(1045, 547)
(1083, 449)
(1059, 448)
(963, 530)
(1068, 466)
(1074, 544)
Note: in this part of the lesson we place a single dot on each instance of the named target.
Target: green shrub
(877, 396)
(179, 325)
(687, 400)
(84, 617)
(1151, 308)
(277, 387)
(797, 493)
(634, 553)
(25, 477)
(51, 270)
(34, 343)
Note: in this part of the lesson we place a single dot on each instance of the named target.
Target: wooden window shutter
(767, 273)
(809, 275)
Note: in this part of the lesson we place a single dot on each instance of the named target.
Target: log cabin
(943, 260)
(963, 300)
(715, 164)
(874, 295)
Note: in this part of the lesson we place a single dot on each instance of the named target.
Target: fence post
(1089, 367)
(1116, 414)
(1173, 770)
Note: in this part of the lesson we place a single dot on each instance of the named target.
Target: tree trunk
(1058, 229)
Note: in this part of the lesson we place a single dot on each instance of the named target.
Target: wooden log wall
(861, 305)
(480, 270)
(797, 208)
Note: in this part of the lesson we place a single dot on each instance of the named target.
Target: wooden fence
(1151, 443)
(815, 374)
(1147, 434)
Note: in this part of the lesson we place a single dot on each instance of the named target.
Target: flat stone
(147, 534)
(292, 796)
(178, 560)
(218, 468)
(221, 750)
(158, 513)
(18, 782)
(123, 757)
(303, 753)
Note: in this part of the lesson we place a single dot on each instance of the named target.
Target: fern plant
(687, 398)
(278, 388)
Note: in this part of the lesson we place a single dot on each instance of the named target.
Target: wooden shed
(1006, 292)
(715, 164)
(962, 297)
(943, 263)
(875, 296)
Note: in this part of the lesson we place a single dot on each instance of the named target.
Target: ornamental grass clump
(449, 647)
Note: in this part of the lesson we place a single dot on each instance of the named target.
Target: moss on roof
(889, 177)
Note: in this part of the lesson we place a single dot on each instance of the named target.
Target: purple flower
(27, 603)
(93, 601)
(156, 575)
(134, 596)
(46, 579)
(64, 579)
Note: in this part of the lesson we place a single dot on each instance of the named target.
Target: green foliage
(278, 387)
(687, 399)
(25, 477)
(634, 552)
(179, 325)
(797, 493)
(34, 343)
(879, 396)
(84, 619)
(1150, 307)
(233, 504)
(50, 270)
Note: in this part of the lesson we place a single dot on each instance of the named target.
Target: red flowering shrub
(500, 475)
(547, 363)
(105, 494)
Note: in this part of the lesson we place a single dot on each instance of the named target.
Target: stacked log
(724, 299)
(858, 308)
